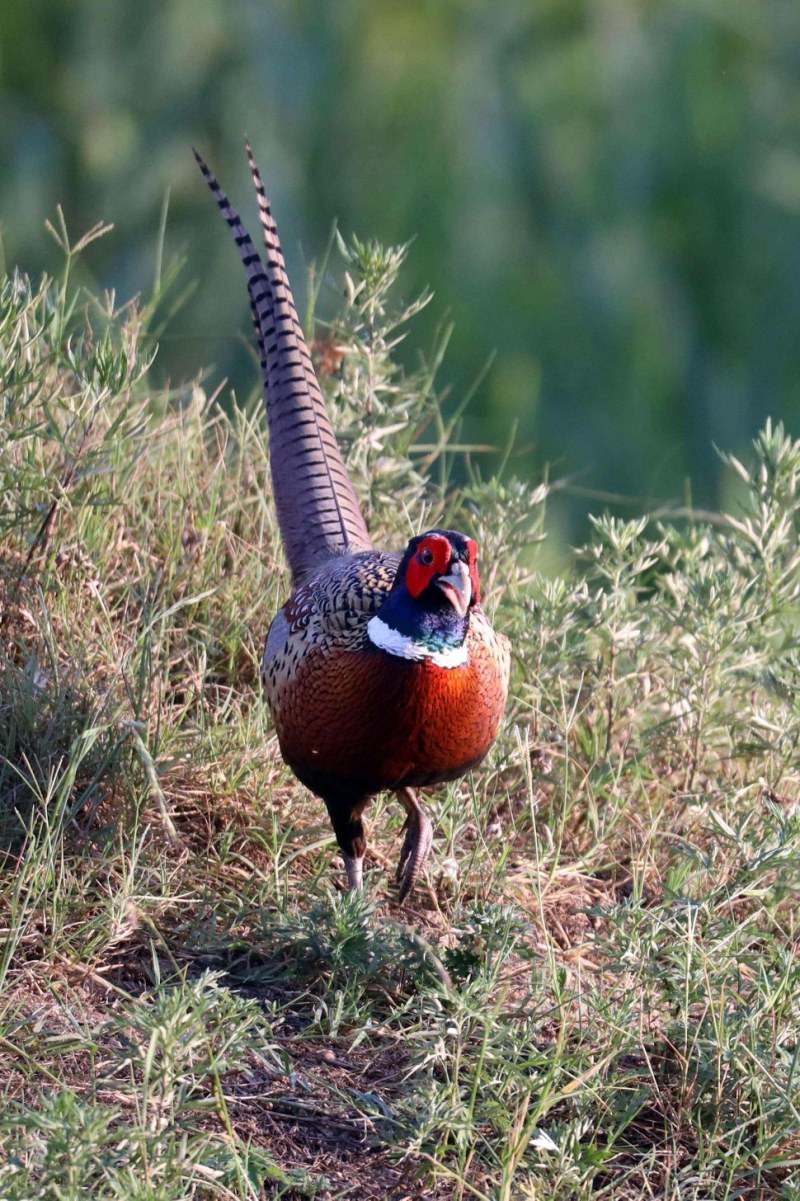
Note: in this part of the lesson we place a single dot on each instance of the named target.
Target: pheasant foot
(416, 845)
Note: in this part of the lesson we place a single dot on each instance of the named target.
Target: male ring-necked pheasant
(381, 670)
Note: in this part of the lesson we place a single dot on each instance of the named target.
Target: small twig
(42, 537)
(150, 771)
(610, 685)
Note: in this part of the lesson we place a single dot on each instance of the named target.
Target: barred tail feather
(258, 286)
(318, 512)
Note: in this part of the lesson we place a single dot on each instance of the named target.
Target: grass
(596, 990)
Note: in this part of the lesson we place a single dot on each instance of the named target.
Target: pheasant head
(426, 614)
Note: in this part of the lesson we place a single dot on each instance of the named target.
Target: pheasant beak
(457, 587)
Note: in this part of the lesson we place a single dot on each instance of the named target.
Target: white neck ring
(394, 643)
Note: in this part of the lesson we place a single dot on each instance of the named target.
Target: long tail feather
(258, 286)
(318, 512)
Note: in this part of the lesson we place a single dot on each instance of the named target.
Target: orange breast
(364, 721)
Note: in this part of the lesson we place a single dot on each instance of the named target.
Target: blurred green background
(606, 194)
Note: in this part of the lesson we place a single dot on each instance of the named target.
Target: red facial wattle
(430, 559)
(433, 563)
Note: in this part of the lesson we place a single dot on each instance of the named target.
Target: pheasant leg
(416, 845)
(345, 815)
(354, 866)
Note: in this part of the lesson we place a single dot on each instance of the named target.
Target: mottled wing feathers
(318, 512)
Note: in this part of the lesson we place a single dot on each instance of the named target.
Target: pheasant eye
(426, 556)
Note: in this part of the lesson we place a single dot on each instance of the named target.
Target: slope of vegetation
(596, 990)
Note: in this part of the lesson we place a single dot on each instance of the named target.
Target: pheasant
(382, 671)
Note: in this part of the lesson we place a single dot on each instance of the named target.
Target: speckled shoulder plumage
(336, 603)
(331, 610)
